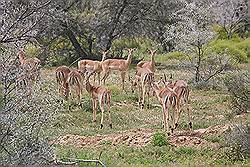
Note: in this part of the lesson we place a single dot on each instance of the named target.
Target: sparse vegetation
(204, 43)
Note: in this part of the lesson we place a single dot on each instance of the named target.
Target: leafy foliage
(159, 139)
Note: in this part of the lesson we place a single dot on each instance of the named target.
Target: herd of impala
(72, 81)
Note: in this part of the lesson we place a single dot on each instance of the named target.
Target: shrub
(232, 47)
(159, 139)
(238, 85)
(26, 111)
(237, 142)
(186, 151)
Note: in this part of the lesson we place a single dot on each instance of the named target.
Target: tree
(159, 19)
(232, 15)
(26, 111)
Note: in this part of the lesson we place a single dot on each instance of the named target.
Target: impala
(143, 78)
(62, 73)
(148, 64)
(30, 64)
(117, 64)
(167, 98)
(182, 92)
(99, 94)
(93, 66)
(74, 82)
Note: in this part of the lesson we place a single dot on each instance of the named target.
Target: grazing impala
(167, 98)
(95, 66)
(117, 64)
(99, 94)
(30, 64)
(62, 73)
(143, 77)
(148, 64)
(74, 82)
(182, 92)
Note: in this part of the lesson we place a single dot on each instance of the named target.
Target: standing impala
(93, 66)
(148, 64)
(99, 94)
(117, 64)
(62, 73)
(143, 77)
(182, 92)
(30, 64)
(167, 98)
(74, 82)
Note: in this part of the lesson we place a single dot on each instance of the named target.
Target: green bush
(160, 139)
(239, 54)
(186, 151)
(244, 45)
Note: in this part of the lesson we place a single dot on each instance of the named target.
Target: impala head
(152, 52)
(165, 81)
(21, 55)
(104, 54)
(133, 85)
(131, 50)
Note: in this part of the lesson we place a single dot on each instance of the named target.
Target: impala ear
(171, 76)
(165, 77)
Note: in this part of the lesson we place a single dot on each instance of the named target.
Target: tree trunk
(197, 73)
(79, 50)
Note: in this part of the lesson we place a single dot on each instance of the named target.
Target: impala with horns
(117, 64)
(99, 94)
(92, 66)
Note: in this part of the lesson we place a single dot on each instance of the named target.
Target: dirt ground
(141, 137)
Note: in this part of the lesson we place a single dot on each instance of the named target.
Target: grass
(206, 105)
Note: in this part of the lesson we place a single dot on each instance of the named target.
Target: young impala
(99, 94)
(143, 80)
(62, 73)
(148, 64)
(95, 66)
(182, 92)
(117, 64)
(167, 98)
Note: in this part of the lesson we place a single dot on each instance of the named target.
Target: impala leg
(106, 74)
(173, 120)
(123, 74)
(108, 103)
(189, 116)
(139, 95)
(78, 92)
(163, 118)
(101, 104)
(167, 120)
(94, 105)
(143, 95)
(178, 112)
(99, 78)
(148, 96)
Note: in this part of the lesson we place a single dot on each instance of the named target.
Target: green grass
(127, 115)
